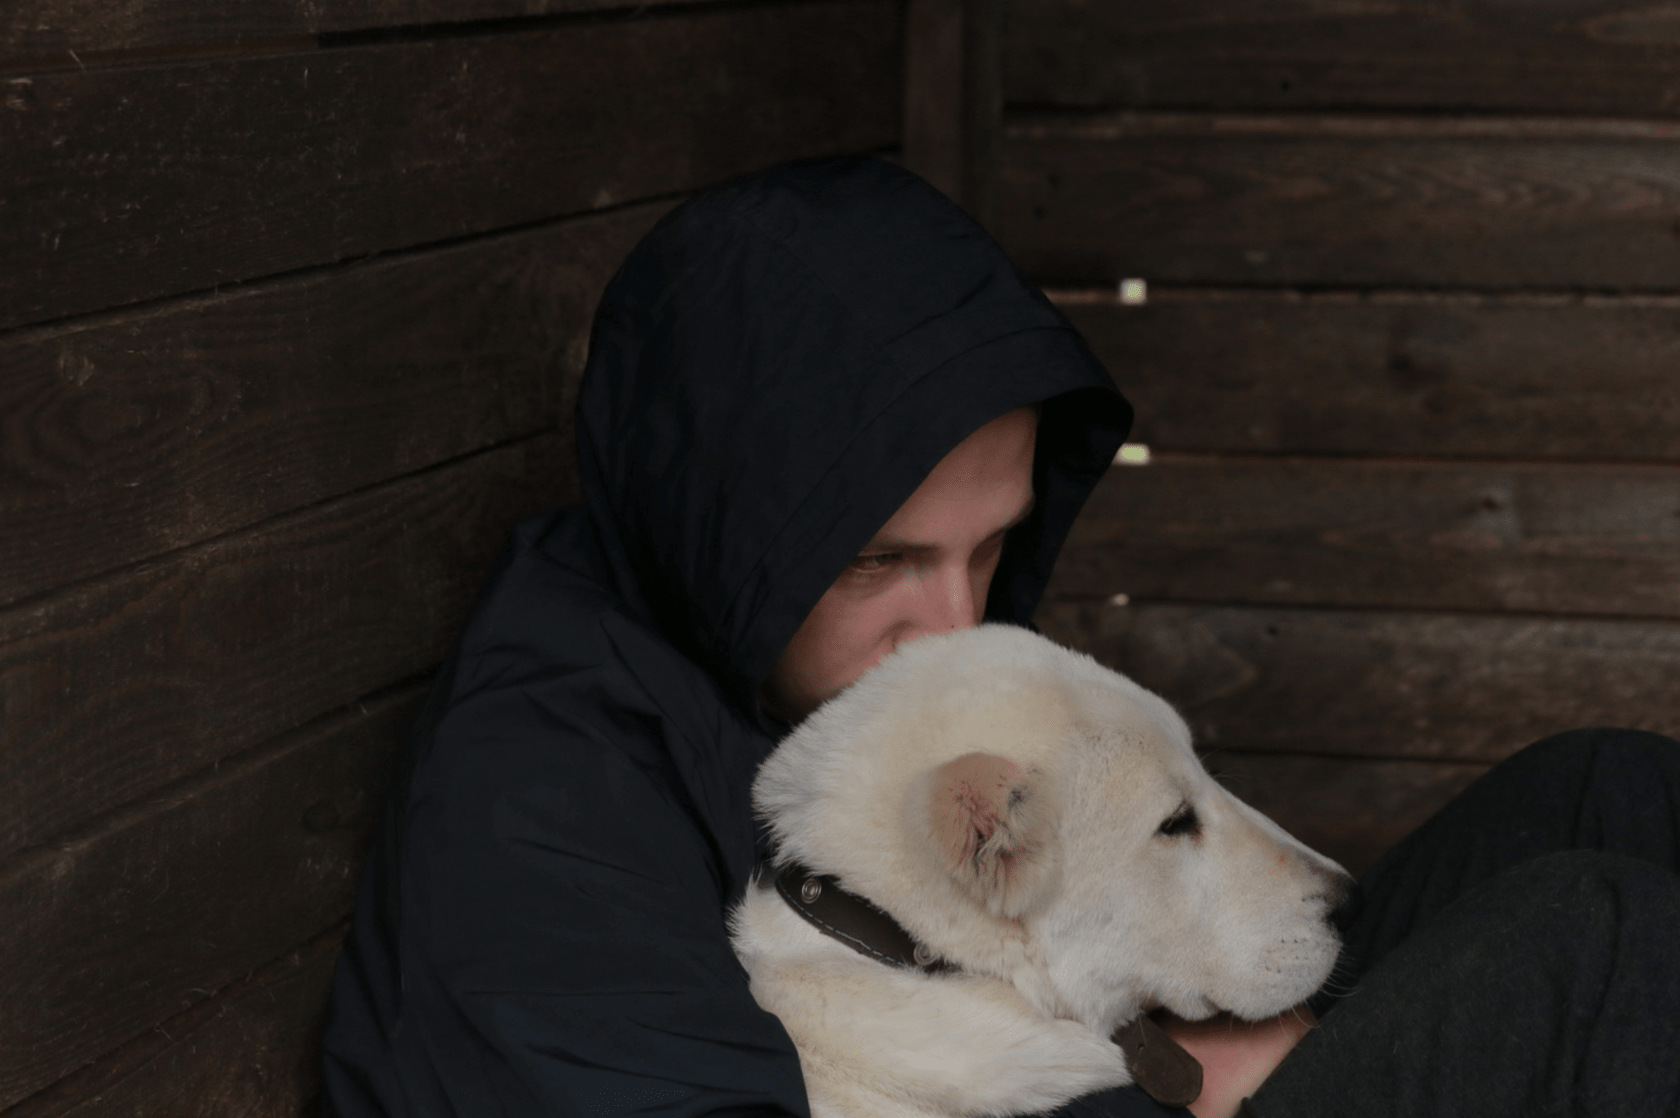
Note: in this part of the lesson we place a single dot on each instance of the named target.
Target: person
(823, 415)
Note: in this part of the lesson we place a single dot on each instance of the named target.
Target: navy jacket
(771, 373)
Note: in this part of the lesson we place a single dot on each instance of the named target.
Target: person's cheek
(984, 570)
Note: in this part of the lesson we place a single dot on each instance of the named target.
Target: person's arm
(1237, 1056)
(564, 949)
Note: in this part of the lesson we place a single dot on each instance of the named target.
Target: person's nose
(949, 601)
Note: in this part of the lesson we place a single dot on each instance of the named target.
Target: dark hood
(780, 363)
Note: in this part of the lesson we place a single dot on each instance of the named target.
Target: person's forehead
(922, 527)
(984, 484)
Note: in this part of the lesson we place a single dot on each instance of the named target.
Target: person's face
(926, 571)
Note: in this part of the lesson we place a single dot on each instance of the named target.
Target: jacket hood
(779, 364)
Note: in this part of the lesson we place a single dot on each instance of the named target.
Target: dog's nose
(1346, 899)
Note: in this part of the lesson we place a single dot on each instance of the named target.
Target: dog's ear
(990, 824)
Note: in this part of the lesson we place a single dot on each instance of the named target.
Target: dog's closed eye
(1183, 821)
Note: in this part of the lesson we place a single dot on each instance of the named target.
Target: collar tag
(1159, 1064)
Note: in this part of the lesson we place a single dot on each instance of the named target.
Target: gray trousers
(1518, 955)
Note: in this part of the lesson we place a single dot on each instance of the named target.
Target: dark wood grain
(1395, 373)
(113, 932)
(36, 33)
(136, 183)
(253, 1050)
(1349, 808)
(953, 99)
(935, 118)
(1344, 201)
(157, 429)
(1383, 685)
(983, 109)
(1611, 56)
(1540, 538)
(111, 689)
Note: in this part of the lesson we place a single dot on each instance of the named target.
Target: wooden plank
(935, 120)
(136, 183)
(1537, 538)
(154, 430)
(1434, 686)
(1351, 809)
(111, 933)
(953, 99)
(43, 33)
(1343, 201)
(112, 689)
(1395, 373)
(252, 1050)
(1609, 56)
(983, 105)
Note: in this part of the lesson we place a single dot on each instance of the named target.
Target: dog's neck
(1159, 1065)
(854, 921)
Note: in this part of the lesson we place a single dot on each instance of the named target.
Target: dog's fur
(1042, 823)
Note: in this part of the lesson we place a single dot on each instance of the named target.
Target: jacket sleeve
(563, 939)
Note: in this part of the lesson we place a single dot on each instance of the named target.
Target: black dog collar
(853, 921)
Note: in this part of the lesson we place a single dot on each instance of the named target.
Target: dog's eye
(1183, 821)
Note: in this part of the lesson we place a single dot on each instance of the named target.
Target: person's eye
(867, 563)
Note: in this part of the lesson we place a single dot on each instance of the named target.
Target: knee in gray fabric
(1600, 745)
(1547, 989)
(1589, 893)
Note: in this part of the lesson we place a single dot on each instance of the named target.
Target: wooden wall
(293, 303)
(294, 297)
(1410, 370)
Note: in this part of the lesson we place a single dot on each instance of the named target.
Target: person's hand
(1236, 1056)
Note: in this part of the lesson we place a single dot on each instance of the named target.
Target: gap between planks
(1109, 295)
(1137, 600)
(586, 13)
(46, 599)
(117, 314)
(89, 60)
(1129, 124)
(328, 27)
(1164, 456)
(1349, 607)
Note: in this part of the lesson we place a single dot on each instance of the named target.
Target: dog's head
(1033, 815)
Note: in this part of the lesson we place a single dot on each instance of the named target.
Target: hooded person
(779, 372)
(774, 370)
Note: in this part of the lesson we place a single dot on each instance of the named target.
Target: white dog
(1060, 861)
